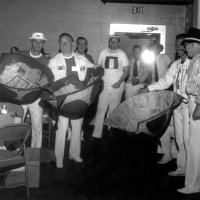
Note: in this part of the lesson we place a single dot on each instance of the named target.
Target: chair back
(13, 132)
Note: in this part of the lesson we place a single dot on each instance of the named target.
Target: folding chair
(11, 159)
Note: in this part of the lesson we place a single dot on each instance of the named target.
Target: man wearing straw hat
(192, 178)
(35, 109)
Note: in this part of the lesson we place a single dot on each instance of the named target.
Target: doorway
(143, 35)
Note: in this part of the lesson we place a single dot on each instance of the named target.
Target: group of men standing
(124, 73)
(184, 75)
(64, 64)
(133, 75)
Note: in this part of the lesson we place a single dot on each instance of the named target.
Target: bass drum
(21, 78)
(148, 113)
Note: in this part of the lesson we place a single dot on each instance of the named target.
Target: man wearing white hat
(115, 63)
(192, 177)
(36, 111)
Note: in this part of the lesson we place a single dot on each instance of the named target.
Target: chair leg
(26, 173)
(49, 127)
(49, 133)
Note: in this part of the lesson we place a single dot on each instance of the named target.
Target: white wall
(89, 18)
(196, 14)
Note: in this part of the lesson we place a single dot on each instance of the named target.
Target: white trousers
(192, 179)
(109, 99)
(181, 124)
(168, 145)
(36, 112)
(75, 142)
(131, 90)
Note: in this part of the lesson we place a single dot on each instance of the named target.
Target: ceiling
(162, 2)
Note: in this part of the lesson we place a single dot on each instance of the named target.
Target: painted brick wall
(89, 18)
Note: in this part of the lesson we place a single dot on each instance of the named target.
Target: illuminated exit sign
(137, 10)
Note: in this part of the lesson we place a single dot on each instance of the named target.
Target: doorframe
(140, 28)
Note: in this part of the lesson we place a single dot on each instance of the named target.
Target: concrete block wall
(89, 18)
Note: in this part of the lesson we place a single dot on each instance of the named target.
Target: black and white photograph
(99, 99)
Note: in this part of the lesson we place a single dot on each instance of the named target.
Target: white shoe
(3, 148)
(176, 173)
(82, 138)
(20, 169)
(187, 190)
(165, 159)
(76, 159)
(59, 165)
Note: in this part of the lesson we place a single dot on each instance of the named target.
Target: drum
(21, 78)
(72, 97)
(148, 113)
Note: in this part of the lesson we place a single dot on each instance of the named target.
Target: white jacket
(193, 82)
(177, 70)
(58, 66)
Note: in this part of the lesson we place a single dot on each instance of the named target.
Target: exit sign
(137, 10)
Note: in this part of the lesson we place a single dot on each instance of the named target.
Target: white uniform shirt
(58, 66)
(193, 82)
(113, 64)
(176, 75)
(162, 62)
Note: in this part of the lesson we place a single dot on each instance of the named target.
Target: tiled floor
(119, 167)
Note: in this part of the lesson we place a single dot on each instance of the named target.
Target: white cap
(37, 36)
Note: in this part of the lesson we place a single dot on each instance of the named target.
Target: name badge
(60, 67)
(82, 68)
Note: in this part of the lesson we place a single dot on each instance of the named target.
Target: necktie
(177, 79)
(156, 73)
(135, 69)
